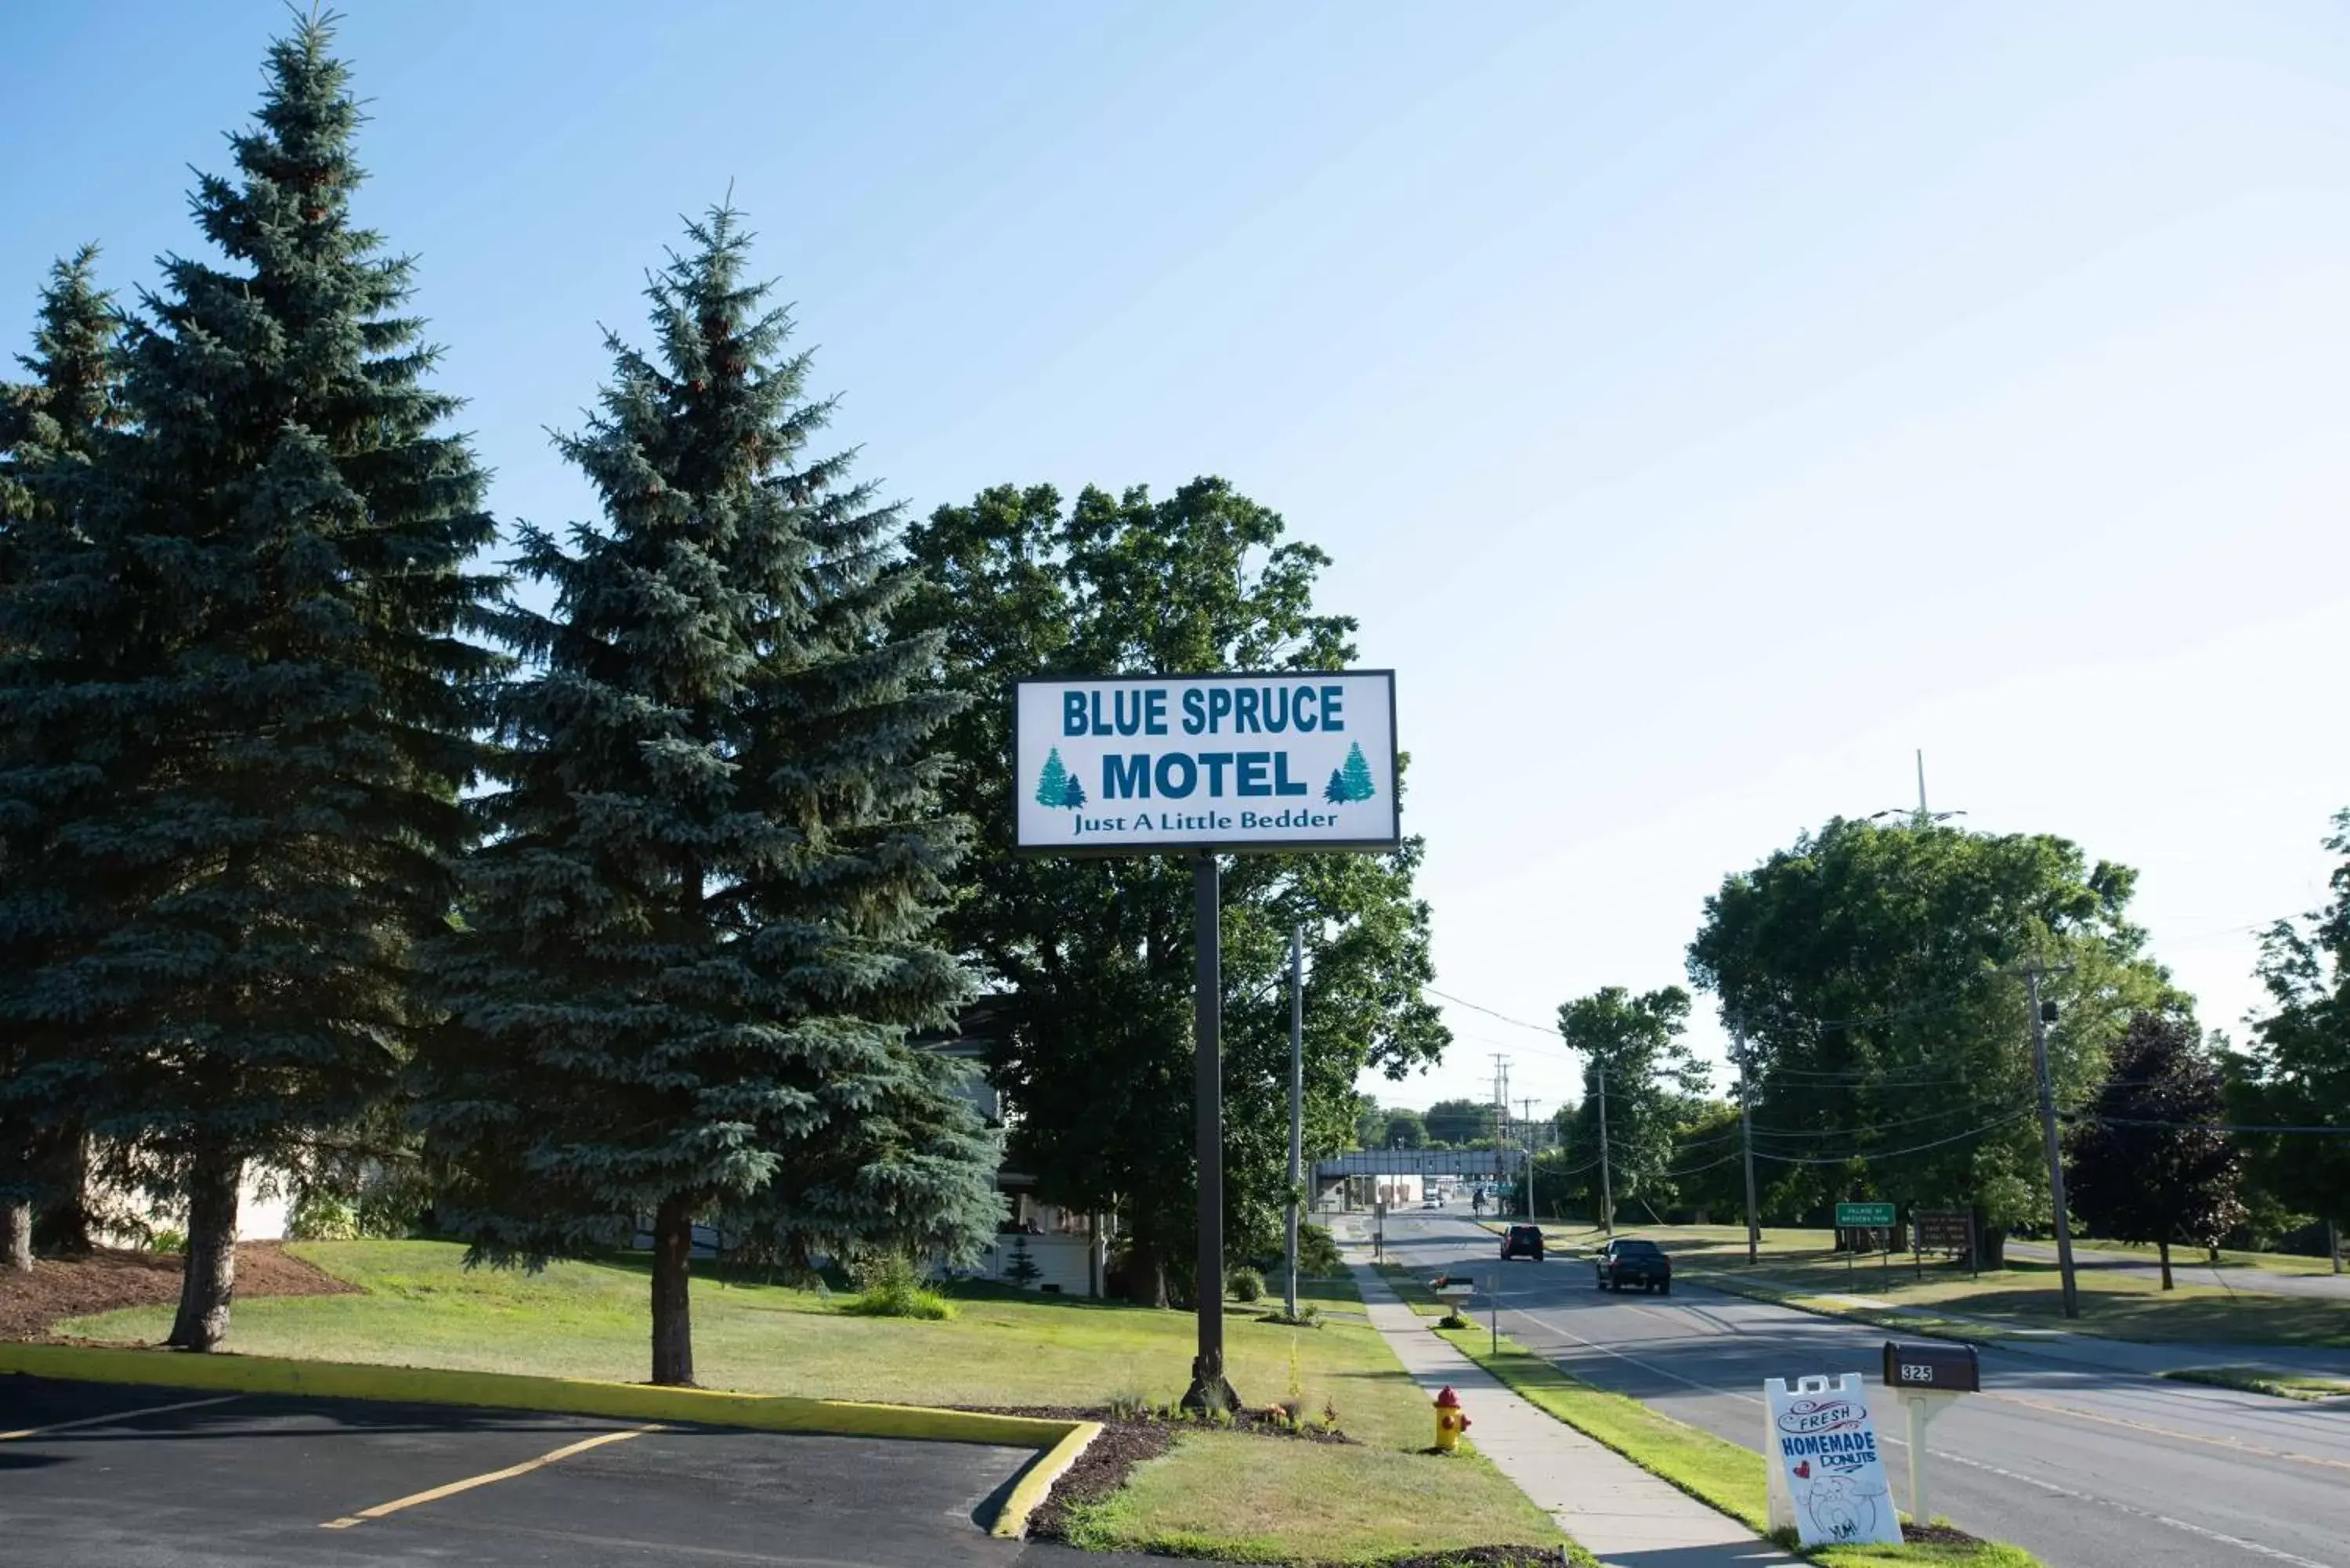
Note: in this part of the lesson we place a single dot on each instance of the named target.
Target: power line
(1970, 1108)
(1550, 1031)
(1892, 1153)
(2205, 1127)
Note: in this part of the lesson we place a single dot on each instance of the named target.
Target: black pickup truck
(1630, 1261)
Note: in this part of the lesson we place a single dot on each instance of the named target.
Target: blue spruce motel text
(1239, 774)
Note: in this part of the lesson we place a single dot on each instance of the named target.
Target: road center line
(470, 1482)
(109, 1421)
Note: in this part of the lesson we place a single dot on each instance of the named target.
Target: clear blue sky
(1706, 404)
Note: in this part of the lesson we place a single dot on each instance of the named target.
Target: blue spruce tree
(1074, 795)
(239, 702)
(1335, 792)
(1356, 775)
(697, 936)
(51, 428)
(1053, 781)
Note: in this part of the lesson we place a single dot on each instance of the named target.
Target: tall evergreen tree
(2144, 1164)
(50, 428)
(696, 939)
(243, 696)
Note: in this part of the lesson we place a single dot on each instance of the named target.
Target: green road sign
(1864, 1216)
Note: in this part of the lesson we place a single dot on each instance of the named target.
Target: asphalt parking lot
(119, 1477)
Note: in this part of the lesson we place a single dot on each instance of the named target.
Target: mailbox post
(1925, 1378)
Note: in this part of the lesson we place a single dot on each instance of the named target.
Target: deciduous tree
(2145, 1162)
(1632, 1050)
(1094, 958)
(1458, 1122)
(2300, 1055)
(1875, 971)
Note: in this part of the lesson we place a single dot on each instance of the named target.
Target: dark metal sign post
(1198, 766)
(1210, 1391)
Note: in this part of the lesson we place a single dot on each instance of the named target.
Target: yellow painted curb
(1036, 1483)
(501, 1390)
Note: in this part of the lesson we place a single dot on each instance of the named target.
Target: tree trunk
(2164, 1248)
(208, 1277)
(1992, 1239)
(62, 1224)
(1145, 1272)
(16, 1236)
(672, 1300)
(2333, 1244)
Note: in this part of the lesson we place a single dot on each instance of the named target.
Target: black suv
(1522, 1241)
(1635, 1263)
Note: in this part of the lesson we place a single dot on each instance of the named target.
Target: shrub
(1317, 1255)
(321, 1217)
(890, 1286)
(1246, 1284)
(170, 1241)
(1128, 1406)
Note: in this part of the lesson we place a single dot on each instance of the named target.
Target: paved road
(2187, 1269)
(2087, 1467)
(227, 1482)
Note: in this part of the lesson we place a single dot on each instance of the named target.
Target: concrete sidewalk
(1622, 1514)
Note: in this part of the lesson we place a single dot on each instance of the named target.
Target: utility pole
(1746, 1131)
(1923, 815)
(1527, 1154)
(2032, 973)
(1297, 1101)
(1501, 1124)
(1607, 1178)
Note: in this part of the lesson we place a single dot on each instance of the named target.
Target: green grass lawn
(2192, 1257)
(1247, 1498)
(1801, 1268)
(2264, 1380)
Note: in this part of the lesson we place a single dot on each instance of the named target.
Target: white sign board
(1827, 1478)
(1156, 763)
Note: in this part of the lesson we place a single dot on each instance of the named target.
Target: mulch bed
(60, 1288)
(1100, 1470)
(1913, 1535)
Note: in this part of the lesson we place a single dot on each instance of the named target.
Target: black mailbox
(1932, 1368)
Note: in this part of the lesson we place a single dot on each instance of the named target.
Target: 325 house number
(1911, 1371)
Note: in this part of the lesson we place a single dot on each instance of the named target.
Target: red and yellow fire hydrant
(1452, 1420)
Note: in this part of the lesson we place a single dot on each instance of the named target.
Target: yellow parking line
(110, 1420)
(470, 1482)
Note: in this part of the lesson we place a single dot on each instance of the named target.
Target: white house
(1070, 1249)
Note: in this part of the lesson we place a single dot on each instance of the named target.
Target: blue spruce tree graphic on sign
(1335, 792)
(1054, 784)
(1355, 777)
(1074, 795)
